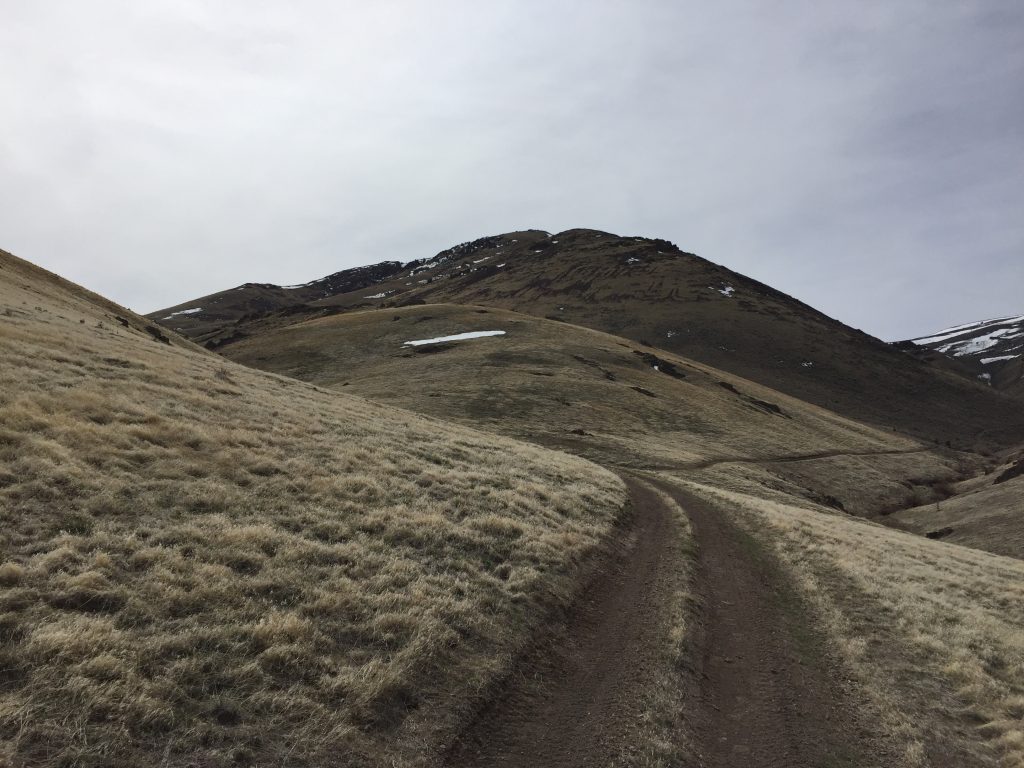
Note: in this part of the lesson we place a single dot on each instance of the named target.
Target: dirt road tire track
(768, 693)
(576, 700)
(763, 691)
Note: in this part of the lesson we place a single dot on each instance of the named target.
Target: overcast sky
(866, 157)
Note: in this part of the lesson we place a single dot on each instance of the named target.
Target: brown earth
(767, 692)
(576, 699)
(763, 690)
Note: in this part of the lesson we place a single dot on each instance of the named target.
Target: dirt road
(578, 699)
(766, 693)
(762, 692)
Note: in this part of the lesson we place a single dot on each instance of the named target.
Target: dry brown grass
(533, 383)
(557, 384)
(984, 516)
(931, 630)
(204, 564)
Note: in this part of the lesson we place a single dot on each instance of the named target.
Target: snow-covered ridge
(986, 341)
(991, 344)
(969, 328)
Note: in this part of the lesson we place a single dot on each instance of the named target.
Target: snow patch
(725, 290)
(990, 360)
(379, 295)
(454, 337)
(978, 343)
(422, 268)
(959, 330)
(632, 260)
(184, 312)
(807, 364)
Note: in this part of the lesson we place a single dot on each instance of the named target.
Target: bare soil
(767, 691)
(577, 698)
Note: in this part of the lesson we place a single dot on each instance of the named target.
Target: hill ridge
(647, 290)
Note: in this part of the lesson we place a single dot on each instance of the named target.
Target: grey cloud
(865, 157)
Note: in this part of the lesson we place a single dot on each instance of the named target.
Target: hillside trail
(791, 459)
(757, 695)
(576, 699)
(767, 692)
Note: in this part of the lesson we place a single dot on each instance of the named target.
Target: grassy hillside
(986, 511)
(556, 384)
(202, 564)
(649, 290)
(599, 396)
(931, 630)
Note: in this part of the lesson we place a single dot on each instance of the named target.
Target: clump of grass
(10, 574)
(207, 564)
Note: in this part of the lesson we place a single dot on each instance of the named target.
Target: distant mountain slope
(650, 291)
(986, 512)
(212, 314)
(993, 350)
(558, 384)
